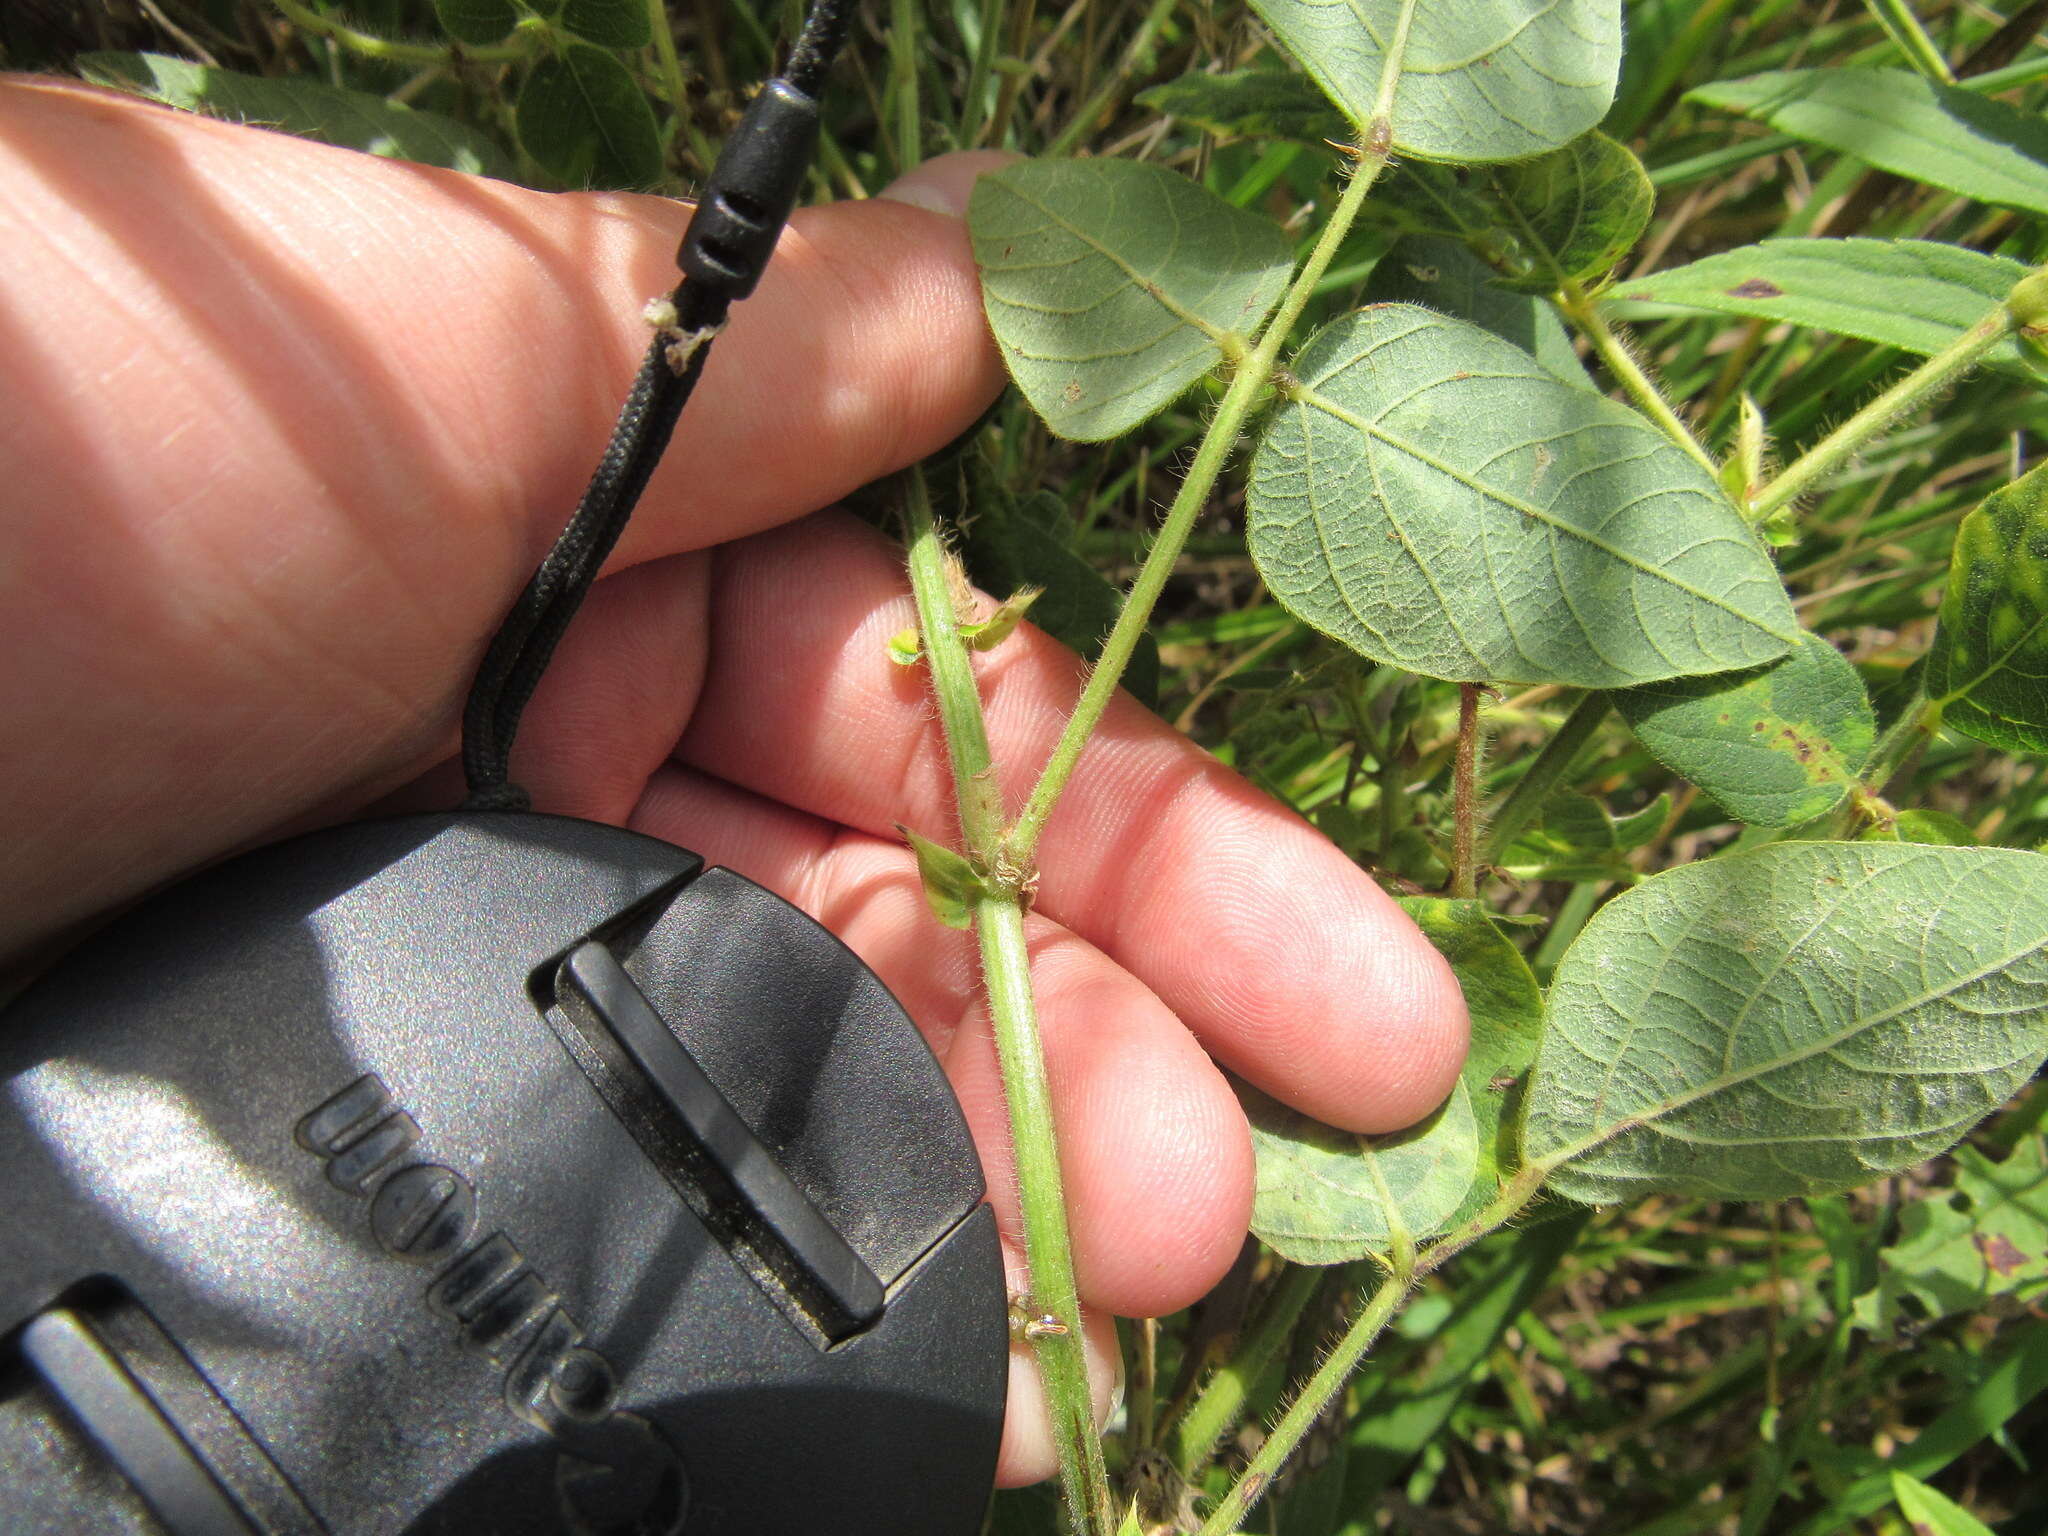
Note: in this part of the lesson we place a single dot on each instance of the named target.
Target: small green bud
(2028, 301)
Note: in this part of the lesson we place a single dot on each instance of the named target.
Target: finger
(1154, 1150)
(1029, 1452)
(284, 427)
(1283, 957)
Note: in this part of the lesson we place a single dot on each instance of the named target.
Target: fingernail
(944, 185)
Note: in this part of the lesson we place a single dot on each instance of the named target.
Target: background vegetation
(1674, 1365)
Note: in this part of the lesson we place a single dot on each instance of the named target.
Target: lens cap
(487, 1173)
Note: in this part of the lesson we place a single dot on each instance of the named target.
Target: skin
(283, 428)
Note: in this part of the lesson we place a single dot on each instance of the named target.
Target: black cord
(730, 239)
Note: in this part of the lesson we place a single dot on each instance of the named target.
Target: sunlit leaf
(1110, 284)
(1798, 1019)
(1773, 747)
(1480, 79)
(1929, 1513)
(1434, 498)
(1988, 669)
(1327, 1196)
(1903, 123)
(312, 109)
(951, 884)
(1917, 295)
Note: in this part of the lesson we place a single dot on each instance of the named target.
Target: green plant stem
(903, 36)
(1580, 309)
(1543, 775)
(369, 46)
(1904, 28)
(677, 87)
(974, 113)
(1134, 57)
(1048, 1249)
(1903, 398)
(936, 584)
(1465, 795)
(1309, 1403)
(1251, 377)
(1221, 1402)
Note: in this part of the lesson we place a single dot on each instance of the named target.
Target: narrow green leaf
(1773, 747)
(1929, 1513)
(1441, 273)
(1960, 1247)
(609, 23)
(1903, 123)
(476, 21)
(1506, 1008)
(986, 634)
(1794, 1020)
(1577, 210)
(1988, 669)
(1435, 499)
(1249, 103)
(311, 109)
(586, 122)
(1917, 295)
(1111, 283)
(1480, 80)
(951, 885)
(1326, 1196)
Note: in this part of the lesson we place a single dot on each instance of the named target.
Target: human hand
(283, 428)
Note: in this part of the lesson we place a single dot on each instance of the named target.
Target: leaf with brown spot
(1775, 746)
(1985, 1236)
(1756, 288)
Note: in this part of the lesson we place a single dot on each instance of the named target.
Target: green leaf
(476, 21)
(1435, 499)
(1938, 827)
(310, 109)
(986, 634)
(611, 23)
(1917, 295)
(1130, 1525)
(951, 885)
(1577, 210)
(1988, 669)
(1577, 839)
(1326, 1196)
(905, 648)
(1111, 283)
(1250, 103)
(1506, 1007)
(1958, 1248)
(1794, 1020)
(1773, 747)
(586, 122)
(1933, 1514)
(1442, 273)
(1480, 79)
(1900, 122)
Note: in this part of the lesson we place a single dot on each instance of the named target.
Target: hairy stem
(1881, 414)
(1465, 795)
(1006, 974)
(1309, 1403)
(1580, 309)
(1544, 775)
(369, 46)
(1217, 443)
(1221, 1403)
